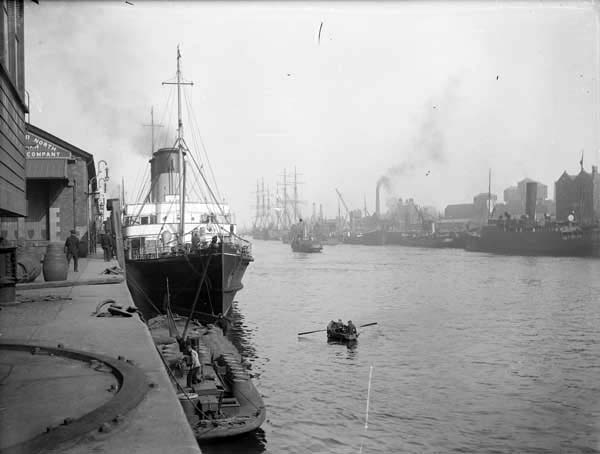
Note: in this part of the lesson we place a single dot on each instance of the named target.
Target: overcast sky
(431, 95)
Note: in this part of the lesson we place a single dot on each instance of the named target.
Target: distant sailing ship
(275, 213)
(182, 255)
(302, 241)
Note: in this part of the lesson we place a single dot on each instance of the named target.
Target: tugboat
(301, 241)
(177, 247)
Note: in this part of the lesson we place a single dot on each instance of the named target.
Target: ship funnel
(164, 172)
(530, 200)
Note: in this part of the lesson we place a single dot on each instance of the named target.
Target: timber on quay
(76, 382)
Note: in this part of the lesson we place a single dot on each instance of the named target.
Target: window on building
(5, 56)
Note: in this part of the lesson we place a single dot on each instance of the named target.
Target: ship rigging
(190, 259)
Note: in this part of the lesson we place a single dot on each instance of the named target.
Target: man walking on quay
(106, 247)
(72, 249)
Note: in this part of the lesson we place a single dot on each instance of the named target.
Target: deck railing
(235, 245)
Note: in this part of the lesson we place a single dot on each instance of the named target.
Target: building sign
(38, 148)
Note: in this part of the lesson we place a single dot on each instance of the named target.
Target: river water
(472, 352)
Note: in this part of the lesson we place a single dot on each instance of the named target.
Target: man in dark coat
(72, 249)
(113, 247)
(106, 247)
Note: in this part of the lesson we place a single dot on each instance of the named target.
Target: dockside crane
(424, 222)
(347, 215)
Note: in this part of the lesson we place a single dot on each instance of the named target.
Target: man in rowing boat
(351, 327)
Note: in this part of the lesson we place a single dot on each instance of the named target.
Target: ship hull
(372, 238)
(425, 241)
(147, 281)
(302, 245)
(543, 243)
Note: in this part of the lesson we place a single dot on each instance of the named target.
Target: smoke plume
(428, 146)
(385, 182)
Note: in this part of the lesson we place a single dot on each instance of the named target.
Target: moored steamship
(182, 255)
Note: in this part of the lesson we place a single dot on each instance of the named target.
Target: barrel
(55, 263)
(189, 403)
(29, 266)
(83, 248)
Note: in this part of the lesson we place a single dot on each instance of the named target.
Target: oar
(310, 332)
(321, 330)
(368, 324)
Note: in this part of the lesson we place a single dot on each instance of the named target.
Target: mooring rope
(141, 290)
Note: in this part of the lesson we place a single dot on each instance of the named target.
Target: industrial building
(578, 195)
(13, 106)
(60, 194)
(469, 214)
(515, 197)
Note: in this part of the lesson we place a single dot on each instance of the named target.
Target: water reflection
(250, 443)
(350, 345)
(302, 255)
(240, 334)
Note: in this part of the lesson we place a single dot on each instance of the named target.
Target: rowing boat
(341, 335)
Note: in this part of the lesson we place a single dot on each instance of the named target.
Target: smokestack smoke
(385, 182)
(429, 144)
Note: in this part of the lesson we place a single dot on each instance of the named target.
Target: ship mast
(153, 125)
(179, 144)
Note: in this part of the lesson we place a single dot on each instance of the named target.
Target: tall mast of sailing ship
(179, 83)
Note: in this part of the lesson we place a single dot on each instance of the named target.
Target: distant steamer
(527, 237)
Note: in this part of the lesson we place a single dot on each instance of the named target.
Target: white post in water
(367, 411)
(368, 398)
